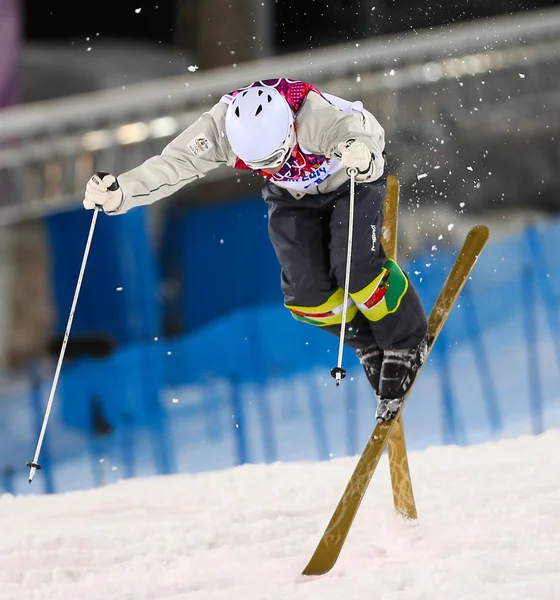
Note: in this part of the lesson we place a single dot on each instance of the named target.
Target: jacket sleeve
(322, 125)
(199, 149)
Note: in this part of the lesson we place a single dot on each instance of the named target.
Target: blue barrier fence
(254, 385)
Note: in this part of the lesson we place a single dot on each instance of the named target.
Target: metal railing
(49, 150)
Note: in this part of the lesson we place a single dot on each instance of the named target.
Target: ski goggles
(272, 161)
(277, 158)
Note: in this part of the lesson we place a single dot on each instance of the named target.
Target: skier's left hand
(356, 155)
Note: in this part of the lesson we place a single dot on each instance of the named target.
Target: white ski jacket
(322, 122)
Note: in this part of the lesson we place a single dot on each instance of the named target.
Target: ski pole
(338, 372)
(35, 466)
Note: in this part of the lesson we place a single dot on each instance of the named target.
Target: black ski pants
(310, 237)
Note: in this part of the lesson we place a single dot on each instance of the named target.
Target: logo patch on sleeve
(199, 145)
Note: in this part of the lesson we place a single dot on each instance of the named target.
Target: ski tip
(310, 573)
(481, 230)
(311, 576)
(322, 561)
(392, 181)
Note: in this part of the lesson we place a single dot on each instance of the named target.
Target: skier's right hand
(356, 155)
(103, 191)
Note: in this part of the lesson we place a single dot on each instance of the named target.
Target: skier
(304, 142)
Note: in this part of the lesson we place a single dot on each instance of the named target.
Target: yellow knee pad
(328, 313)
(384, 294)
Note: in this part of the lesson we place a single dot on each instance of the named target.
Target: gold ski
(403, 495)
(330, 545)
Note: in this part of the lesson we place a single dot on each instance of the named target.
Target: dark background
(297, 24)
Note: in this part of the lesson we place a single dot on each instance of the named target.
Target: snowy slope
(489, 529)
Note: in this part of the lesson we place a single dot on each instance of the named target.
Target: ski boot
(398, 372)
(371, 359)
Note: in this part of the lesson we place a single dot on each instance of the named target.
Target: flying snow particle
(138, 11)
(462, 204)
(450, 226)
(192, 68)
(175, 400)
(470, 169)
(119, 289)
(522, 75)
(422, 175)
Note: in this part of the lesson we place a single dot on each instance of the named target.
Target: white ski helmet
(260, 127)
